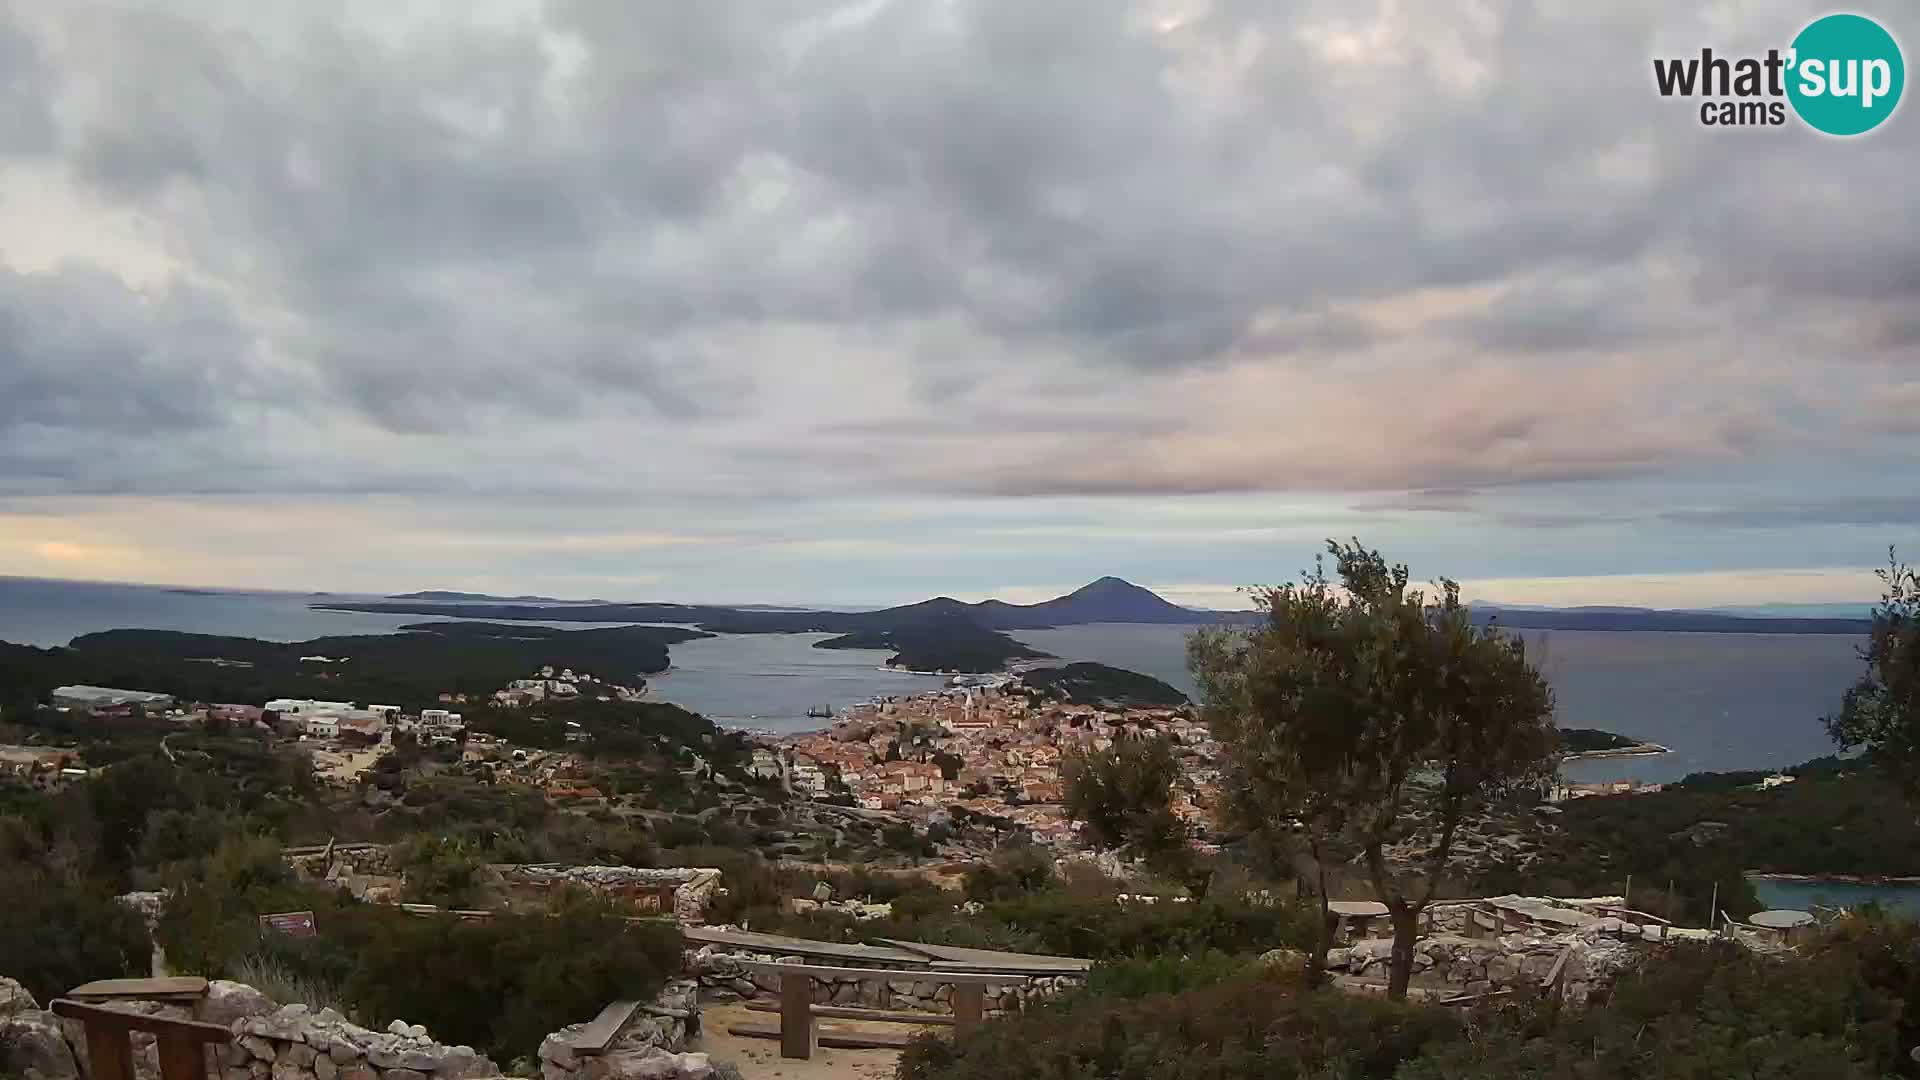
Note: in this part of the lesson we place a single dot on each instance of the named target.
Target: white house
(303, 706)
(808, 776)
(323, 725)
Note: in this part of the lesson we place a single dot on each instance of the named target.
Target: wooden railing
(181, 1043)
(797, 1010)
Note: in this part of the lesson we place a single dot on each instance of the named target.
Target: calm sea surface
(757, 680)
(1718, 701)
(1721, 701)
(1800, 895)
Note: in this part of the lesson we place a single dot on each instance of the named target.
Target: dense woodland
(1098, 684)
(950, 642)
(411, 669)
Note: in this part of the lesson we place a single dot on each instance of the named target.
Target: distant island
(1105, 600)
(411, 668)
(945, 644)
(1101, 684)
(1687, 622)
(1594, 743)
(445, 596)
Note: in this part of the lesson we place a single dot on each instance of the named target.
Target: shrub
(504, 983)
(1140, 976)
(55, 935)
(1701, 1011)
(1105, 929)
(1252, 1026)
(287, 983)
(1012, 873)
(442, 871)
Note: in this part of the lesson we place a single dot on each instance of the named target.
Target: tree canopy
(1122, 796)
(1371, 710)
(1881, 712)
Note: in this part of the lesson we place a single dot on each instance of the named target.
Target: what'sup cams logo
(1842, 75)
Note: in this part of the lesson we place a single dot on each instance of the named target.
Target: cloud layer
(755, 272)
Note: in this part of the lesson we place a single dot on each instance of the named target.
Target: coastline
(1636, 750)
(1848, 879)
(942, 674)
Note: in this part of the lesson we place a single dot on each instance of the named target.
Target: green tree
(442, 870)
(56, 934)
(1122, 797)
(1373, 711)
(1881, 712)
(1012, 873)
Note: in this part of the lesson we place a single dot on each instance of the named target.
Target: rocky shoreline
(1636, 750)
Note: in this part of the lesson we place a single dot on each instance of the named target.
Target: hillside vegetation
(412, 668)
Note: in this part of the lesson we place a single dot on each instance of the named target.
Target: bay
(769, 681)
(766, 681)
(1719, 702)
(36, 611)
(1803, 895)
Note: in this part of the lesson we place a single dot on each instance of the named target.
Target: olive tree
(1363, 712)
(1122, 796)
(1881, 712)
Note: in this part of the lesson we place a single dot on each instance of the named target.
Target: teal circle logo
(1846, 74)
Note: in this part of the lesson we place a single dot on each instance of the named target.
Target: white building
(104, 697)
(765, 765)
(808, 776)
(304, 706)
(322, 725)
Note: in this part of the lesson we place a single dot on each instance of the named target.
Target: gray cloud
(983, 247)
(1881, 511)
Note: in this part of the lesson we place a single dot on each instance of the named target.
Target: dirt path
(759, 1059)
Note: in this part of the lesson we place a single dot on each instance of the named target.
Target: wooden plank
(109, 1053)
(833, 1040)
(1553, 976)
(604, 1028)
(1038, 971)
(969, 1005)
(168, 987)
(992, 959)
(95, 1016)
(951, 978)
(780, 944)
(796, 1016)
(1474, 999)
(864, 1040)
(180, 1056)
(849, 1012)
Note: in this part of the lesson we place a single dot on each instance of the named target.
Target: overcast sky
(768, 300)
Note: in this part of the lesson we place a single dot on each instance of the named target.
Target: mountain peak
(1110, 586)
(1112, 599)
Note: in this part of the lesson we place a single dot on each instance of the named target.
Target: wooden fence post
(969, 1005)
(796, 1016)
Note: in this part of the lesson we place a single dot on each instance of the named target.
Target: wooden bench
(797, 1010)
(179, 988)
(593, 1040)
(110, 1050)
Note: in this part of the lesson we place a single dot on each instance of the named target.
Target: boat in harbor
(820, 712)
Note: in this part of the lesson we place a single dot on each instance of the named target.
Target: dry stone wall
(692, 887)
(271, 1042)
(295, 1042)
(649, 1047)
(32, 1044)
(723, 976)
(1478, 965)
